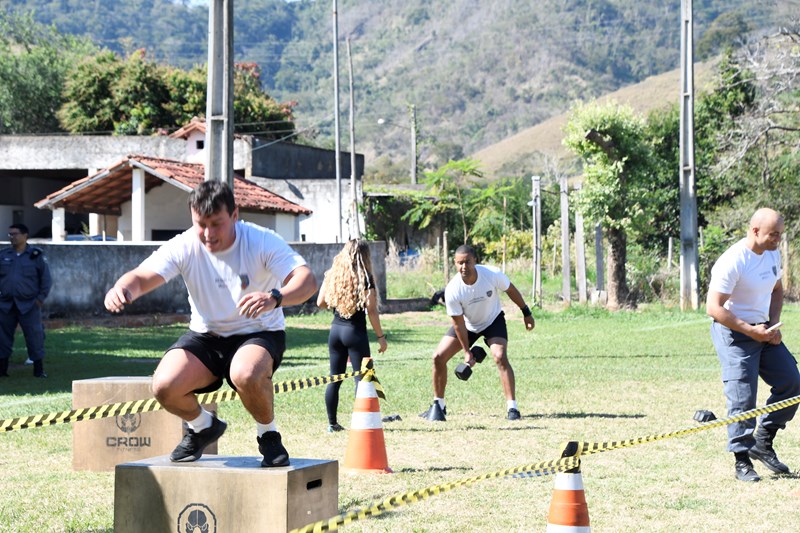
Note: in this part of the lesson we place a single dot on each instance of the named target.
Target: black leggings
(343, 342)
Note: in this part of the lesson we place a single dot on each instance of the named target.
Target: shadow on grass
(435, 469)
(583, 415)
(301, 338)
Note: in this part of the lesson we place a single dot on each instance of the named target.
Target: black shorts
(216, 352)
(496, 329)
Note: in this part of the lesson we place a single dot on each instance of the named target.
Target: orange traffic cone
(568, 510)
(366, 448)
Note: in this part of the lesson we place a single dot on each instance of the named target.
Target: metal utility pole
(355, 225)
(336, 116)
(580, 254)
(536, 204)
(219, 102)
(566, 287)
(690, 291)
(412, 110)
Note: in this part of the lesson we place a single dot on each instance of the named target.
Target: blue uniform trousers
(743, 360)
(32, 329)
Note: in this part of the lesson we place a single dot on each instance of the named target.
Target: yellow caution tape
(544, 468)
(369, 375)
(143, 406)
(588, 448)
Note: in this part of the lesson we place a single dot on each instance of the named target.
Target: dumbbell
(704, 416)
(463, 370)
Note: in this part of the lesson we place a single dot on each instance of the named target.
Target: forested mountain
(477, 71)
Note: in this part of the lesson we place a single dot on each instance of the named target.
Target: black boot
(764, 452)
(4, 368)
(744, 468)
(38, 369)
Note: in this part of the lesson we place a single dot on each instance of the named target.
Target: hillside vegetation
(533, 149)
(477, 72)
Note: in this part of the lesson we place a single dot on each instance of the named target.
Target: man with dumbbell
(472, 299)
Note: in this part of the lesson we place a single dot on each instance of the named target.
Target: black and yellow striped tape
(544, 468)
(589, 448)
(143, 406)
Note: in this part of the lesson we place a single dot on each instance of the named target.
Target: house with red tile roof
(143, 198)
(62, 186)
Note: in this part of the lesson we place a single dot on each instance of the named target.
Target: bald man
(745, 298)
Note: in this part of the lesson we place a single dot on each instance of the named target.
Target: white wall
(319, 195)
(166, 208)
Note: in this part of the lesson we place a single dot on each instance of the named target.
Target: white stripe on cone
(366, 421)
(568, 481)
(366, 389)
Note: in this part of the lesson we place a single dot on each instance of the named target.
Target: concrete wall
(83, 273)
(75, 151)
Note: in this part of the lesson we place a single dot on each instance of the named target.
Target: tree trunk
(617, 256)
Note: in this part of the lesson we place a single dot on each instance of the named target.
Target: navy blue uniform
(24, 284)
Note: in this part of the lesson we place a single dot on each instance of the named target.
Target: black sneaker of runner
(272, 449)
(193, 443)
(513, 414)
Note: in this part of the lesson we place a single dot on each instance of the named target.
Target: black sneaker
(333, 428)
(745, 470)
(766, 454)
(513, 414)
(193, 443)
(427, 413)
(273, 451)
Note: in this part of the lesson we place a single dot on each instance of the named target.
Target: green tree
(448, 191)
(89, 93)
(105, 93)
(616, 164)
(34, 60)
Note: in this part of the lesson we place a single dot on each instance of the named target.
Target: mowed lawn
(582, 374)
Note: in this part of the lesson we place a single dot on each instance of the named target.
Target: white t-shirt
(749, 279)
(479, 302)
(258, 260)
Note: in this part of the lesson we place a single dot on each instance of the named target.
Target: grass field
(582, 374)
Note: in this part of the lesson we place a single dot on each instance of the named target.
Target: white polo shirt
(749, 279)
(258, 260)
(479, 303)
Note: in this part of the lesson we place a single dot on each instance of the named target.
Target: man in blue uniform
(24, 284)
(745, 299)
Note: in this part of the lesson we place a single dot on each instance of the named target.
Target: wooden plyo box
(223, 494)
(100, 445)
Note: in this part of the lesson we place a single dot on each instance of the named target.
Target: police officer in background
(24, 284)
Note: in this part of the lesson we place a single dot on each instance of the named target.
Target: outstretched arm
(517, 298)
(130, 287)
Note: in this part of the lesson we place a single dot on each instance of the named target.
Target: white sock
(201, 422)
(441, 402)
(263, 428)
(512, 404)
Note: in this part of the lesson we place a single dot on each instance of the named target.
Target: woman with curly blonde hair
(349, 289)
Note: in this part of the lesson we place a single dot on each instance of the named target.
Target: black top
(359, 318)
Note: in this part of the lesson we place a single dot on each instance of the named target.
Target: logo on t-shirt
(245, 281)
(488, 294)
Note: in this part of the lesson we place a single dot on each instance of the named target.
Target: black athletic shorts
(216, 352)
(496, 329)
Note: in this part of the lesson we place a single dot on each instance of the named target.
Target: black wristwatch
(275, 293)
